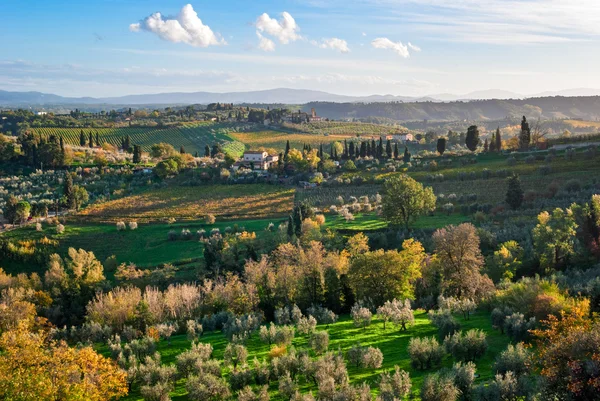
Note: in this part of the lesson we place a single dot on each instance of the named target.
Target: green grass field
(370, 221)
(147, 246)
(192, 136)
(343, 335)
(231, 202)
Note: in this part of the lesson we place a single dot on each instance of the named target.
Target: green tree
(206, 151)
(472, 139)
(503, 264)
(90, 140)
(81, 196)
(290, 227)
(554, 238)
(498, 140)
(396, 153)
(166, 168)
(406, 157)
(137, 154)
(524, 135)
(514, 193)
(81, 138)
(405, 199)
(69, 192)
(441, 145)
(22, 211)
(385, 275)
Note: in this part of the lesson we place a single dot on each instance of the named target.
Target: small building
(313, 116)
(404, 137)
(256, 160)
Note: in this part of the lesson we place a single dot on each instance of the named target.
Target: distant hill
(557, 107)
(282, 95)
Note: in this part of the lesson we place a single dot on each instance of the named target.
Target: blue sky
(354, 47)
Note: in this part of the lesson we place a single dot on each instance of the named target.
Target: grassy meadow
(230, 202)
(342, 336)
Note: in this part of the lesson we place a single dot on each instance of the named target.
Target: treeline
(549, 107)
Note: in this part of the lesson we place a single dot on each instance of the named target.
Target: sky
(104, 48)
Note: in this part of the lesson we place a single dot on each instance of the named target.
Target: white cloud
(414, 47)
(265, 44)
(398, 47)
(186, 27)
(364, 34)
(285, 30)
(333, 43)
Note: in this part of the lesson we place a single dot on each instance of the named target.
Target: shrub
(372, 358)
(572, 186)
(393, 387)
(207, 387)
(504, 387)
(425, 352)
(193, 329)
(320, 219)
(467, 346)
(400, 313)
(444, 321)
(284, 335)
(498, 317)
(267, 333)
(515, 358)
(319, 341)
(277, 351)
(463, 376)
(517, 327)
(133, 225)
(545, 170)
(439, 387)
(306, 325)
(246, 394)
(235, 354)
(239, 379)
(172, 235)
(361, 316)
(38, 226)
(210, 219)
(121, 226)
(355, 355)
(287, 387)
(322, 315)
(60, 229)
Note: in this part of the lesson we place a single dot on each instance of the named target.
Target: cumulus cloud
(186, 27)
(265, 44)
(398, 47)
(414, 47)
(333, 43)
(285, 30)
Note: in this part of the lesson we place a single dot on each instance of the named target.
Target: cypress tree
(182, 150)
(396, 153)
(81, 138)
(441, 145)
(514, 194)
(351, 150)
(68, 191)
(492, 147)
(206, 151)
(287, 149)
(298, 221)
(196, 154)
(406, 157)
(486, 147)
(472, 139)
(345, 155)
(97, 139)
(91, 140)
(498, 140)
(290, 226)
(363, 150)
(525, 134)
(321, 152)
(380, 148)
(388, 149)
(369, 152)
(127, 143)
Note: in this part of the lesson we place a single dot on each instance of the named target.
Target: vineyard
(345, 128)
(192, 203)
(277, 140)
(192, 136)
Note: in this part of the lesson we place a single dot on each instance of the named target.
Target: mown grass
(232, 202)
(147, 246)
(370, 222)
(343, 335)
